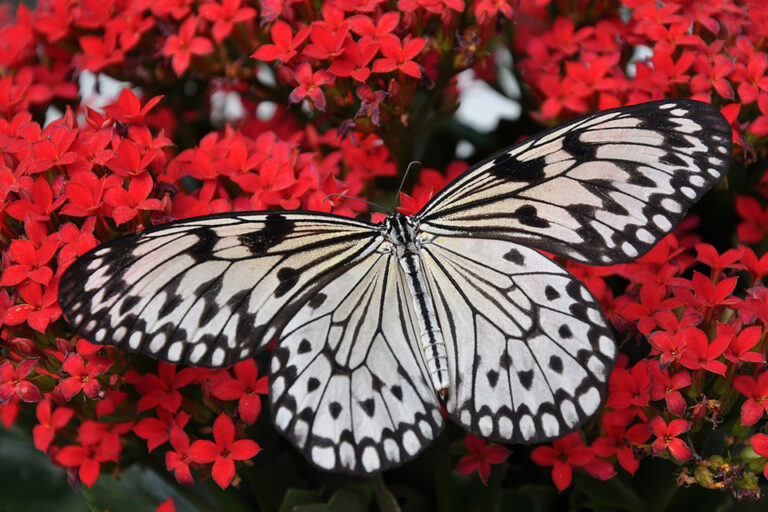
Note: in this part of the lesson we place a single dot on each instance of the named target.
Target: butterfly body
(380, 327)
(405, 243)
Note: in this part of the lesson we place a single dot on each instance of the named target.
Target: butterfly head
(401, 233)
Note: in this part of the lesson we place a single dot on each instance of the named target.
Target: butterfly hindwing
(529, 350)
(601, 189)
(210, 290)
(348, 383)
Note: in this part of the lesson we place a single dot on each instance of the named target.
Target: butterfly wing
(209, 290)
(529, 351)
(600, 189)
(348, 383)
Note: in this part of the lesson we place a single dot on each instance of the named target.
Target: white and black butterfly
(377, 325)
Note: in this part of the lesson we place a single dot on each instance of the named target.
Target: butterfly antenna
(377, 205)
(416, 164)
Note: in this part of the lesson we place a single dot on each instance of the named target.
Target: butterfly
(379, 325)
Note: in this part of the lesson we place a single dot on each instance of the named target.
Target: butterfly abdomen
(403, 239)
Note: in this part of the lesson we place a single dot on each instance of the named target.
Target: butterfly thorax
(405, 245)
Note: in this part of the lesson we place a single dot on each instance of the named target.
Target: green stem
(384, 498)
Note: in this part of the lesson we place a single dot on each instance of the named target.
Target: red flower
(246, 388)
(40, 308)
(759, 444)
(48, 423)
(667, 438)
(708, 255)
(126, 204)
(41, 205)
(629, 389)
(619, 442)
(179, 459)
(652, 299)
(712, 73)
(183, 46)
(83, 376)
(85, 192)
(740, 347)
(757, 268)
(99, 52)
(54, 149)
(400, 57)
(355, 61)
(563, 455)
(756, 391)
(755, 225)
(225, 15)
(700, 353)
(156, 431)
(664, 387)
(671, 346)
(76, 242)
(309, 85)
(31, 262)
(166, 506)
(374, 33)
(752, 78)
(285, 45)
(86, 459)
(127, 109)
(702, 293)
(224, 451)
(162, 389)
(481, 457)
(12, 381)
(327, 43)
(561, 94)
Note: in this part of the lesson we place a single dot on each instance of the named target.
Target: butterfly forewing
(348, 382)
(529, 351)
(601, 189)
(211, 290)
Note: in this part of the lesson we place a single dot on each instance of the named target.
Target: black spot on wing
(317, 301)
(556, 364)
(528, 216)
(276, 228)
(335, 409)
(288, 278)
(304, 347)
(369, 406)
(493, 377)
(508, 168)
(515, 257)
(397, 392)
(551, 293)
(565, 332)
(312, 384)
(526, 378)
(203, 248)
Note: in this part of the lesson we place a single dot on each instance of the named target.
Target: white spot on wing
(589, 401)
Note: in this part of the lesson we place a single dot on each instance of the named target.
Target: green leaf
(613, 493)
(295, 497)
(138, 489)
(28, 480)
(345, 500)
